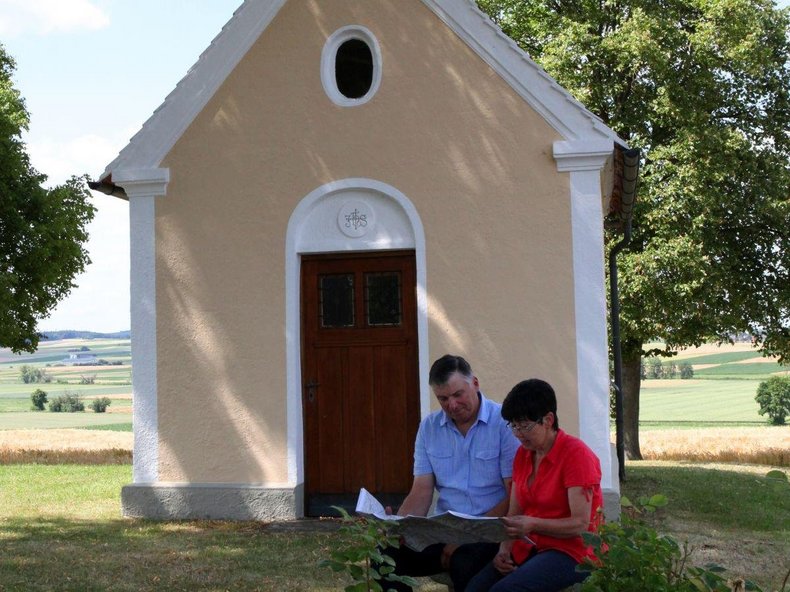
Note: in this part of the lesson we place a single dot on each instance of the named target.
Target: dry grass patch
(61, 446)
(754, 445)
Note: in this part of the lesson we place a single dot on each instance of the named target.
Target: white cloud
(42, 17)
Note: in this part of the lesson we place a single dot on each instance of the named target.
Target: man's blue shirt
(468, 470)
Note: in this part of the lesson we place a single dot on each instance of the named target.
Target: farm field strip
(23, 391)
(722, 358)
(45, 420)
(699, 400)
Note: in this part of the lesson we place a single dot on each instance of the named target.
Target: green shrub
(39, 399)
(66, 403)
(633, 556)
(100, 404)
(363, 559)
(773, 396)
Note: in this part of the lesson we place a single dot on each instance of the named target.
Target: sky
(92, 72)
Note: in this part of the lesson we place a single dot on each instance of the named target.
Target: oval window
(354, 68)
(351, 66)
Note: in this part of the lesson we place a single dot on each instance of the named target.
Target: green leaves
(703, 88)
(773, 397)
(631, 555)
(42, 230)
(364, 560)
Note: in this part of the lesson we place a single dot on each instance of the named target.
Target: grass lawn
(731, 514)
(60, 528)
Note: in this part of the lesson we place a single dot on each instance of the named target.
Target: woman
(555, 497)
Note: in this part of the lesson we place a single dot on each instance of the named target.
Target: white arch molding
(316, 226)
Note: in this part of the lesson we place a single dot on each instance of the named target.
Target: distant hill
(56, 335)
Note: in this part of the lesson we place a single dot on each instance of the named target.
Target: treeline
(655, 368)
(57, 335)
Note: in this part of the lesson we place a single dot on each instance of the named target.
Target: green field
(700, 401)
(721, 393)
(112, 380)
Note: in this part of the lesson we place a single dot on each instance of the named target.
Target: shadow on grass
(48, 554)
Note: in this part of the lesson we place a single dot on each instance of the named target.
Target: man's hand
(447, 552)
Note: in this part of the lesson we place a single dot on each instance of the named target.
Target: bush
(66, 403)
(363, 559)
(633, 556)
(773, 396)
(39, 399)
(686, 370)
(87, 378)
(100, 405)
(31, 374)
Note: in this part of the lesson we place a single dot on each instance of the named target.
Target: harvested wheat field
(58, 446)
(754, 445)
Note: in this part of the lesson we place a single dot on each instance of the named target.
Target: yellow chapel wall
(446, 131)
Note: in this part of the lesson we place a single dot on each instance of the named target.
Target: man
(465, 451)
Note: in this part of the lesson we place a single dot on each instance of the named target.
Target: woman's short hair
(530, 399)
(443, 368)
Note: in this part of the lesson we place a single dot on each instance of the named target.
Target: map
(449, 527)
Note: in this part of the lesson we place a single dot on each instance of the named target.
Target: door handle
(311, 386)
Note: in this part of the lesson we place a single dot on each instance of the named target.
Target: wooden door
(360, 384)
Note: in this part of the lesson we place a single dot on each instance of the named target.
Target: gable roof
(161, 131)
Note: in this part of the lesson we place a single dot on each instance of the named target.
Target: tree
(773, 396)
(32, 374)
(39, 399)
(42, 231)
(655, 369)
(703, 89)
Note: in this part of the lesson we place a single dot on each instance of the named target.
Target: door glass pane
(336, 294)
(383, 298)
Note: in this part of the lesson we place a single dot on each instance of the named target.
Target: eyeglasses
(523, 428)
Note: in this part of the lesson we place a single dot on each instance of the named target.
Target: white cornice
(584, 155)
(142, 182)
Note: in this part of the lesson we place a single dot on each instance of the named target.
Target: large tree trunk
(631, 384)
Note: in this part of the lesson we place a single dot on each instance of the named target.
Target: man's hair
(530, 399)
(446, 366)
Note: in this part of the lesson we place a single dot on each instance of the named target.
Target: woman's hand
(518, 527)
(503, 561)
